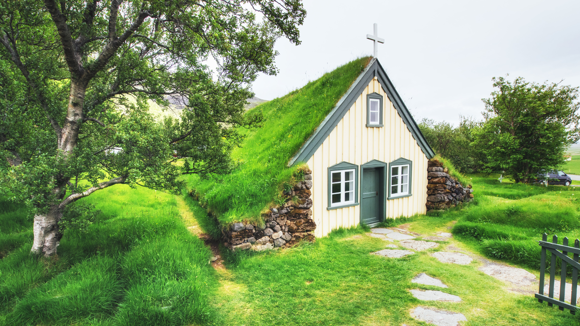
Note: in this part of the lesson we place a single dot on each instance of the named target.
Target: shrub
(486, 231)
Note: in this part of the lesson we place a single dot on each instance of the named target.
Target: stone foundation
(284, 225)
(444, 191)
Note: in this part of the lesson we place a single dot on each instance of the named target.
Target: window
(400, 178)
(342, 185)
(342, 188)
(374, 110)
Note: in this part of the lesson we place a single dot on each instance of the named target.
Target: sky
(440, 55)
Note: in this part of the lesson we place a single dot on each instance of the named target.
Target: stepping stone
(390, 253)
(392, 246)
(434, 296)
(437, 317)
(381, 231)
(444, 234)
(399, 236)
(513, 275)
(379, 236)
(568, 296)
(452, 257)
(436, 238)
(428, 280)
(418, 245)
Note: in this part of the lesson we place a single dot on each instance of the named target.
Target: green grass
(138, 264)
(263, 157)
(453, 171)
(336, 281)
(573, 166)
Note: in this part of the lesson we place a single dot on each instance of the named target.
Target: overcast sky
(440, 55)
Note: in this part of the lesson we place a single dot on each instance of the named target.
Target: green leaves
(527, 127)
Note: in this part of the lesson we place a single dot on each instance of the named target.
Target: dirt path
(193, 226)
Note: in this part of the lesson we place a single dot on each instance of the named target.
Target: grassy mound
(452, 170)
(137, 264)
(263, 157)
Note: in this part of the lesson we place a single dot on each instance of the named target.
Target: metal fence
(560, 251)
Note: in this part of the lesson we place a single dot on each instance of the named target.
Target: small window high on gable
(374, 110)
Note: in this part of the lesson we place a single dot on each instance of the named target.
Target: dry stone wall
(284, 225)
(444, 191)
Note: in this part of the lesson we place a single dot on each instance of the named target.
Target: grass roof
(288, 122)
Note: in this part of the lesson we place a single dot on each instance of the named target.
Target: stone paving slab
(392, 246)
(437, 317)
(381, 231)
(379, 236)
(568, 295)
(428, 280)
(429, 295)
(513, 275)
(391, 253)
(452, 257)
(444, 234)
(436, 238)
(399, 236)
(418, 245)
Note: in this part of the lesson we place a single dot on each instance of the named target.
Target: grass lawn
(138, 265)
(142, 265)
(573, 166)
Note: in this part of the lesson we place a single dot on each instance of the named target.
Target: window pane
(405, 179)
(394, 190)
(374, 105)
(336, 188)
(405, 169)
(374, 117)
(395, 170)
(394, 181)
(348, 186)
(347, 196)
(335, 176)
(404, 189)
(348, 176)
(336, 198)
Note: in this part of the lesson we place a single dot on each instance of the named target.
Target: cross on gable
(376, 39)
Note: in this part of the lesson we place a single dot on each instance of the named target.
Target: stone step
(510, 274)
(399, 236)
(393, 253)
(418, 245)
(381, 231)
(430, 295)
(452, 258)
(437, 317)
(428, 280)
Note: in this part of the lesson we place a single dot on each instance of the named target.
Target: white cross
(376, 39)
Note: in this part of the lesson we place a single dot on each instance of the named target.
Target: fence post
(574, 279)
(543, 267)
(563, 275)
(552, 271)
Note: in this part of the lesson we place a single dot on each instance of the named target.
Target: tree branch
(113, 19)
(10, 46)
(70, 55)
(74, 197)
(94, 120)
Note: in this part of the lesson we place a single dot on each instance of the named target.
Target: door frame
(383, 187)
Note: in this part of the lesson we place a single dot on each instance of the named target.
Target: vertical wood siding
(351, 141)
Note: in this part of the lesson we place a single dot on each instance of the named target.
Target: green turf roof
(288, 123)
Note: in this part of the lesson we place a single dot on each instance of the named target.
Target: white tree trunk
(46, 233)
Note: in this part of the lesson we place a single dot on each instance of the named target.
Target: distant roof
(373, 69)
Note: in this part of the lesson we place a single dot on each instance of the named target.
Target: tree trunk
(46, 232)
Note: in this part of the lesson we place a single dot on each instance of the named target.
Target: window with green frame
(342, 185)
(400, 178)
(374, 110)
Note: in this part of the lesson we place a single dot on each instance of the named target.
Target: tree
(454, 142)
(527, 127)
(75, 78)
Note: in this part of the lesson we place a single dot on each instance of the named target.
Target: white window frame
(399, 177)
(378, 111)
(342, 191)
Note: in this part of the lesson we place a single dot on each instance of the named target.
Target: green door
(371, 208)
